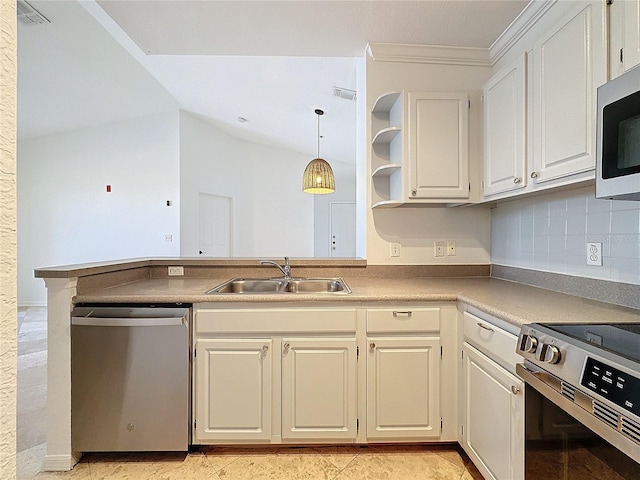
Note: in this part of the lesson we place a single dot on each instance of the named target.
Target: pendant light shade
(318, 176)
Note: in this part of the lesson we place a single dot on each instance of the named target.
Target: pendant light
(318, 176)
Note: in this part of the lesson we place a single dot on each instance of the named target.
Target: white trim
(37, 303)
(520, 25)
(60, 463)
(435, 54)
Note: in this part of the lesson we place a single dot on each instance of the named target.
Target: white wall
(272, 216)
(550, 233)
(65, 214)
(417, 228)
(8, 314)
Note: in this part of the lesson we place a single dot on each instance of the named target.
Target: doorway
(342, 234)
(215, 232)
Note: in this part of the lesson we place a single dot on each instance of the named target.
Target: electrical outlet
(594, 254)
(438, 248)
(168, 237)
(394, 249)
(176, 271)
(451, 248)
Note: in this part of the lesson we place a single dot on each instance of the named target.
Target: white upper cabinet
(624, 34)
(504, 101)
(419, 148)
(568, 66)
(438, 146)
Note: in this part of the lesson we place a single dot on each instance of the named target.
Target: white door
(319, 389)
(403, 395)
(343, 229)
(233, 390)
(214, 225)
(493, 417)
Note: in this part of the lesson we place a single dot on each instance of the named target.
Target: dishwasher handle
(128, 322)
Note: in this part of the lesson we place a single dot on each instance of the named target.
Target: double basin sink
(260, 286)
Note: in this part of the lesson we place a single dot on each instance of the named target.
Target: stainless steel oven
(582, 401)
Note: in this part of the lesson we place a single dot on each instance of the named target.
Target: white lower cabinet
(233, 379)
(265, 375)
(403, 394)
(492, 407)
(274, 375)
(319, 387)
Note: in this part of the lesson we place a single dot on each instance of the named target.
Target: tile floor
(212, 463)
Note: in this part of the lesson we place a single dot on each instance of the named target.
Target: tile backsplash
(550, 233)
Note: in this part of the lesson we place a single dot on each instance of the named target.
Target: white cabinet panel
(568, 66)
(624, 28)
(493, 417)
(403, 397)
(505, 129)
(438, 145)
(233, 389)
(319, 389)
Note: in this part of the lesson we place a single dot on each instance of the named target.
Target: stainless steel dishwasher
(130, 379)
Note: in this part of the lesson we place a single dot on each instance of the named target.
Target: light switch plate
(394, 249)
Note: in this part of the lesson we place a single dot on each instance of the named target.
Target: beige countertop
(513, 302)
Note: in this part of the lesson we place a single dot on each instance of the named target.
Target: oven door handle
(611, 435)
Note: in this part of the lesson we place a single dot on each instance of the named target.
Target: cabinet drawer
(307, 320)
(496, 343)
(403, 319)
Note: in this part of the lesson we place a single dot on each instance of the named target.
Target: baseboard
(60, 463)
(32, 304)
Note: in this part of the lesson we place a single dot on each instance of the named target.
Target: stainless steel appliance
(618, 141)
(582, 400)
(130, 379)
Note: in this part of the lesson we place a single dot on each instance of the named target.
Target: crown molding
(434, 54)
(520, 25)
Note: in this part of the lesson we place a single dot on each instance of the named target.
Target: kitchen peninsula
(439, 295)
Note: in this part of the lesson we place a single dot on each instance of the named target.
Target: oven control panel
(618, 387)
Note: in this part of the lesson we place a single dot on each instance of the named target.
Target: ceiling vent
(344, 93)
(29, 15)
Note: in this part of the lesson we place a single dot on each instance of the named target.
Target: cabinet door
(493, 417)
(403, 380)
(569, 63)
(505, 129)
(624, 34)
(319, 389)
(233, 390)
(438, 145)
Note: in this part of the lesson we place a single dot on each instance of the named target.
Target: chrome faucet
(286, 270)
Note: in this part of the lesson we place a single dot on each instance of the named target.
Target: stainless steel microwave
(618, 142)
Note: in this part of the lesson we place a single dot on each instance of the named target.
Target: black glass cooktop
(619, 338)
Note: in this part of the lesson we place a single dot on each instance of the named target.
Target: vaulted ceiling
(269, 62)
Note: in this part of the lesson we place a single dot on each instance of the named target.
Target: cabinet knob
(285, 347)
(265, 348)
(517, 180)
(414, 192)
(534, 174)
(372, 346)
(515, 390)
